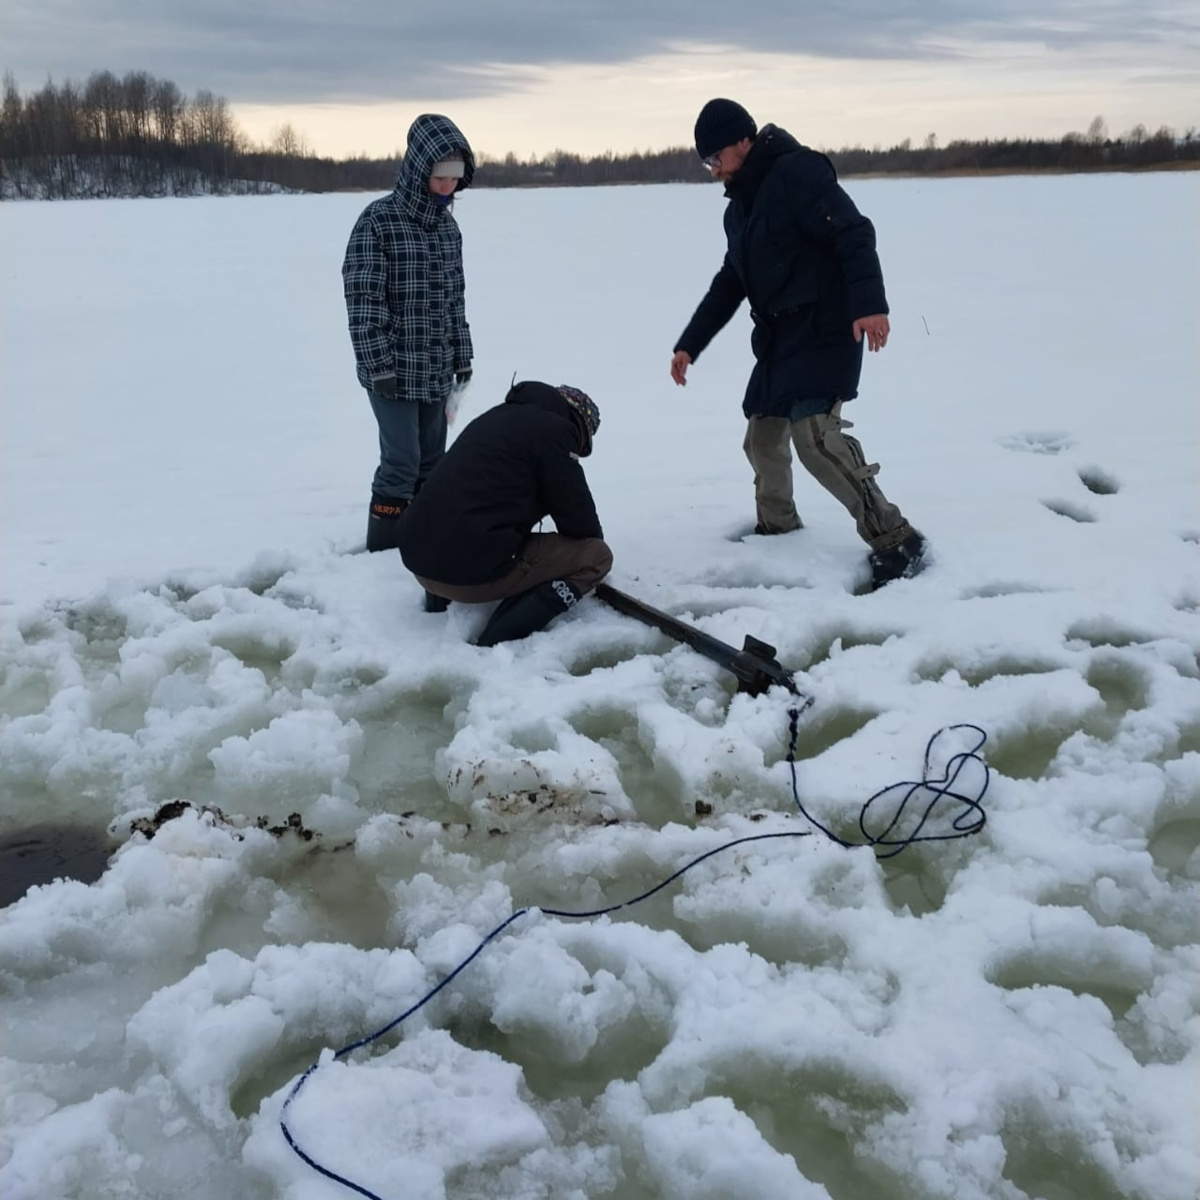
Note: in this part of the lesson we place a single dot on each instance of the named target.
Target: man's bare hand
(680, 362)
(876, 328)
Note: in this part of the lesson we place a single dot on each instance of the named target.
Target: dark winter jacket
(509, 468)
(403, 274)
(805, 258)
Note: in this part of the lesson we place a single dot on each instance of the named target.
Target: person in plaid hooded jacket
(404, 287)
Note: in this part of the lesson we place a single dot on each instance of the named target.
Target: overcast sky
(532, 75)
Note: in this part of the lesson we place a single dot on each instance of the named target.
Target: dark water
(41, 853)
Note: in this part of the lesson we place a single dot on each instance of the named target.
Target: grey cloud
(293, 51)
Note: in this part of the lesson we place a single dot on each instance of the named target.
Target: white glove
(462, 381)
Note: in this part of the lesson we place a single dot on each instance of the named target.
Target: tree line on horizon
(141, 136)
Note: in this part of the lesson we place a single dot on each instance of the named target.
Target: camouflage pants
(834, 459)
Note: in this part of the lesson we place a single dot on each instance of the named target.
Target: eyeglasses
(712, 162)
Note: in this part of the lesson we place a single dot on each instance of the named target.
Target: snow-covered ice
(185, 464)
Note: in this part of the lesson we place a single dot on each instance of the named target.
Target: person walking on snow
(804, 256)
(469, 536)
(403, 281)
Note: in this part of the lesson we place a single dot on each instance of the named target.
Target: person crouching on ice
(468, 535)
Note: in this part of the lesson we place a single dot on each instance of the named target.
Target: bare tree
(10, 118)
(168, 104)
(288, 143)
(137, 90)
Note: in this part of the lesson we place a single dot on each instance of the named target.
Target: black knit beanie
(721, 123)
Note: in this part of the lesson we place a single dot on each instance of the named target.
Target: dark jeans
(582, 562)
(412, 440)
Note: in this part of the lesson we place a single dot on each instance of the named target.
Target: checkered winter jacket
(403, 274)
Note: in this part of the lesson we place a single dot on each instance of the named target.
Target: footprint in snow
(1068, 508)
(1098, 481)
(1037, 443)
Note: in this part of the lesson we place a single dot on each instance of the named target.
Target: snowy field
(185, 463)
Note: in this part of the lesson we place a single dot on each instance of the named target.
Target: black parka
(510, 468)
(804, 257)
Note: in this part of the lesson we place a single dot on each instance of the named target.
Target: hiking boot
(383, 523)
(901, 561)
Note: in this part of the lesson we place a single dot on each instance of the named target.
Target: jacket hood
(544, 395)
(771, 143)
(431, 137)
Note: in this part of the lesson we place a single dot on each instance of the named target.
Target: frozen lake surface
(185, 466)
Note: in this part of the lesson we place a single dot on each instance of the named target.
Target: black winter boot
(901, 561)
(383, 523)
(435, 604)
(525, 613)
